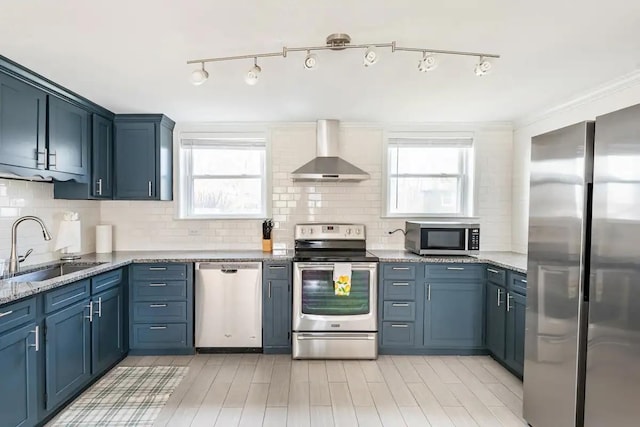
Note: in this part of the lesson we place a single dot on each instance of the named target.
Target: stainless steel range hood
(327, 166)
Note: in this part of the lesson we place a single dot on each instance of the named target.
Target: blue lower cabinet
(159, 336)
(454, 315)
(496, 309)
(516, 313)
(107, 330)
(398, 334)
(276, 315)
(68, 352)
(18, 377)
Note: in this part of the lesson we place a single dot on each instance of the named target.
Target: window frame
(235, 140)
(467, 194)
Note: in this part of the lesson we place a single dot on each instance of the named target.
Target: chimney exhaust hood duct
(327, 166)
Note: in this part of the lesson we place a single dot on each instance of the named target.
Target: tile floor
(272, 390)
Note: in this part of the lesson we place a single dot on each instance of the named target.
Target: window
(429, 176)
(223, 177)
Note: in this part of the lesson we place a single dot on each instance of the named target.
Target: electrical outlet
(194, 232)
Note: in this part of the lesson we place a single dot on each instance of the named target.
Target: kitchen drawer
(170, 311)
(159, 335)
(106, 281)
(400, 334)
(496, 275)
(66, 295)
(453, 271)
(518, 283)
(399, 290)
(159, 271)
(398, 271)
(161, 290)
(276, 271)
(17, 313)
(396, 310)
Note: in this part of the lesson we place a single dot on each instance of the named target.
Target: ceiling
(130, 56)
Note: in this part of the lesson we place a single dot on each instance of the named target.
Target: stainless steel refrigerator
(582, 340)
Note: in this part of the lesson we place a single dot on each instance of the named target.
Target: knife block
(267, 245)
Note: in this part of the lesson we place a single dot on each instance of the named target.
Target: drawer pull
(157, 268)
(6, 313)
(428, 292)
(455, 268)
(491, 270)
(156, 328)
(400, 304)
(399, 326)
(157, 285)
(400, 284)
(277, 267)
(523, 280)
(157, 305)
(400, 268)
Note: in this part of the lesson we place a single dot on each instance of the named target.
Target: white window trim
(470, 204)
(228, 132)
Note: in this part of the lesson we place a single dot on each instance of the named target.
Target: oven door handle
(336, 336)
(329, 266)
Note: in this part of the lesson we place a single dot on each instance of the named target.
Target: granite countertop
(10, 290)
(510, 260)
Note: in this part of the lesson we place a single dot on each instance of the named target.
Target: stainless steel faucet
(15, 260)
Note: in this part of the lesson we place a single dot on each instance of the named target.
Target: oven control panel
(330, 232)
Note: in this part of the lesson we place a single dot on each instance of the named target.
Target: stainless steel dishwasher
(228, 304)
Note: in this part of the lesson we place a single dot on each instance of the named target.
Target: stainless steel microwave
(442, 238)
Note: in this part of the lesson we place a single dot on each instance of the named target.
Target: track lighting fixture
(482, 67)
(370, 57)
(199, 76)
(311, 61)
(340, 41)
(253, 74)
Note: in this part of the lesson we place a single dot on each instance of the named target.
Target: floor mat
(126, 396)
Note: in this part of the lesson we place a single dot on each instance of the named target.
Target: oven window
(318, 295)
(443, 238)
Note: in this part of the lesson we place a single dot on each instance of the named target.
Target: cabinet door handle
(36, 344)
(509, 298)
(150, 188)
(53, 164)
(157, 305)
(428, 292)
(155, 328)
(99, 187)
(499, 294)
(157, 268)
(491, 270)
(269, 290)
(523, 280)
(400, 304)
(277, 267)
(99, 313)
(395, 325)
(400, 268)
(90, 316)
(6, 313)
(157, 285)
(399, 284)
(455, 268)
(42, 163)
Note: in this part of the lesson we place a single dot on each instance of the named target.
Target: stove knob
(310, 230)
(302, 231)
(348, 231)
(357, 231)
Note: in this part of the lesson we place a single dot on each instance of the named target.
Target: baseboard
(162, 352)
(276, 350)
(433, 352)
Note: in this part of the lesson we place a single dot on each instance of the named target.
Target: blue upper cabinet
(23, 114)
(102, 158)
(143, 157)
(68, 148)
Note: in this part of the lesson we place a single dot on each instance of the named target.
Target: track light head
(252, 75)
(199, 76)
(311, 61)
(370, 57)
(483, 67)
(427, 63)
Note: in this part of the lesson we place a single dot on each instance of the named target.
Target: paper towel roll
(104, 239)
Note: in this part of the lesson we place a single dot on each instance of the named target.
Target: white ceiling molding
(602, 91)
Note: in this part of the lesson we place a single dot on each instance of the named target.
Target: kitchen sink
(55, 270)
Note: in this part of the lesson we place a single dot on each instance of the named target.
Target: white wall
(19, 198)
(619, 94)
(152, 225)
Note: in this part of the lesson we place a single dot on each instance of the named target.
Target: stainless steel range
(334, 293)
